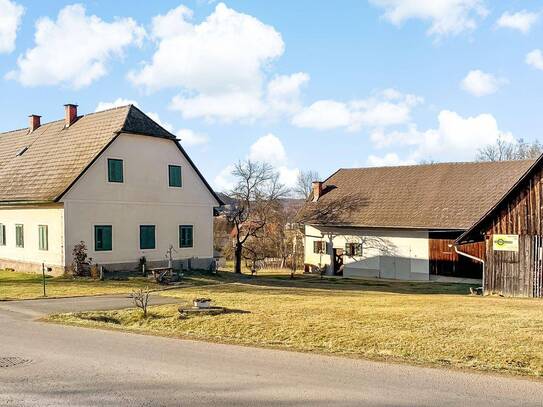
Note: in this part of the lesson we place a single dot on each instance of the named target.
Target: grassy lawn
(419, 323)
(25, 286)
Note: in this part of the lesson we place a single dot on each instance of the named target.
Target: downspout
(469, 256)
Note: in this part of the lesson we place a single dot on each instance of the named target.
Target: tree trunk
(239, 248)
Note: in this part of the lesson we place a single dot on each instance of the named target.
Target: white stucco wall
(144, 198)
(387, 253)
(30, 256)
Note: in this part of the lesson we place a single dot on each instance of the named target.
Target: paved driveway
(85, 367)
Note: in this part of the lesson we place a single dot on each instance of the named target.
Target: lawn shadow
(349, 285)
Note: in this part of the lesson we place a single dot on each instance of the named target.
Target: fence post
(43, 275)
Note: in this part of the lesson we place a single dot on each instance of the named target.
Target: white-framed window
(2, 234)
(43, 237)
(19, 235)
(354, 249)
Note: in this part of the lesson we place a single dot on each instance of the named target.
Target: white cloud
(445, 16)
(11, 15)
(387, 108)
(323, 115)
(190, 137)
(288, 176)
(480, 83)
(521, 20)
(382, 139)
(283, 92)
(157, 119)
(268, 149)
(116, 103)
(74, 49)
(457, 138)
(224, 106)
(225, 181)
(218, 65)
(390, 159)
(535, 59)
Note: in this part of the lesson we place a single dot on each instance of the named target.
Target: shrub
(81, 261)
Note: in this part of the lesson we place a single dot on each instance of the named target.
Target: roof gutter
(11, 203)
(469, 256)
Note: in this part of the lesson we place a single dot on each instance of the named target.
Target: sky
(302, 85)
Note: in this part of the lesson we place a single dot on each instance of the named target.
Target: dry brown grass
(428, 326)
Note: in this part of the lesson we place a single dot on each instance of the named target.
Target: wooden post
(43, 274)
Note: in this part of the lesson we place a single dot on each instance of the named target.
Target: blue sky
(303, 85)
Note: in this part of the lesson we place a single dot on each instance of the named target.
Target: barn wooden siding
(445, 261)
(517, 274)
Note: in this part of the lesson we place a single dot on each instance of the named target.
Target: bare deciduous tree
(302, 187)
(256, 197)
(141, 299)
(503, 150)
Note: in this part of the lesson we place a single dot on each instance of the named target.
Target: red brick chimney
(317, 190)
(34, 122)
(70, 115)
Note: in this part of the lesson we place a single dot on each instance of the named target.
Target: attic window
(22, 151)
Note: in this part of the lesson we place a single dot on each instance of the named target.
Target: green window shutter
(19, 236)
(2, 234)
(114, 170)
(103, 238)
(147, 237)
(174, 176)
(186, 233)
(43, 237)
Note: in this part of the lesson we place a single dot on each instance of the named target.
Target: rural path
(69, 366)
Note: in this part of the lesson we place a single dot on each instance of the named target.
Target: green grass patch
(428, 324)
(20, 286)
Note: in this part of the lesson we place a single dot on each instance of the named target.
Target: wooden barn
(512, 231)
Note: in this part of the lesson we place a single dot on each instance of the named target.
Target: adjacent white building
(401, 222)
(114, 179)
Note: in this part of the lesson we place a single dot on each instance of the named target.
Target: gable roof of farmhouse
(448, 196)
(41, 165)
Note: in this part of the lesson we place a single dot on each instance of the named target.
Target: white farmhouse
(402, 222)
(115, 180)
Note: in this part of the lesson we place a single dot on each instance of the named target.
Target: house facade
(402, 222)
(115, 180)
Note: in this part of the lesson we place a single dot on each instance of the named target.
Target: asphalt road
(70, 366)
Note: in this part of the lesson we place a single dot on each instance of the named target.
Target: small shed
(513, 234)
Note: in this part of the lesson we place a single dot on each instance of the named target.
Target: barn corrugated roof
(55, 156)
(445, 196)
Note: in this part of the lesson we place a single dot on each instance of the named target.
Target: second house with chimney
(115, 180)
